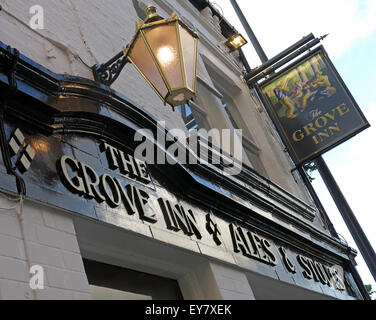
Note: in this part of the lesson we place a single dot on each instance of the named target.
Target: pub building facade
(98, 222)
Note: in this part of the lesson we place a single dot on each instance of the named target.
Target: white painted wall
(41, 236)
(213, 281)
(57, 241)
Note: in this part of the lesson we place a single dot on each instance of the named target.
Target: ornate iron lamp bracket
(8, 64)
(108, 72)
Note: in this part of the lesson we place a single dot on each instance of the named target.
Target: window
(188, 118)
(249, 146)
(193, 116)
(234, 124)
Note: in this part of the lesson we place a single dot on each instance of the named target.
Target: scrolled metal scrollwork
(108, 72)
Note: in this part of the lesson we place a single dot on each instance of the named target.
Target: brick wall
(50, 242)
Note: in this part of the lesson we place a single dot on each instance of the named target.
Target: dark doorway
(109, 282)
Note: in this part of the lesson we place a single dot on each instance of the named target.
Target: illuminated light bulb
(165, 55)
(237, 41)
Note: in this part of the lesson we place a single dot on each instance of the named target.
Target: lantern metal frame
(108, 72)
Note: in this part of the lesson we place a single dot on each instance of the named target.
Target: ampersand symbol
(212, 228)
(286, 260)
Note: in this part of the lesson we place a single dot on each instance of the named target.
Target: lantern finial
(151, 14)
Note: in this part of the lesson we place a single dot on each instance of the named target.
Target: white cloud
(278, 24)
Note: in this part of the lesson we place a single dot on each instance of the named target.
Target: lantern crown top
(151, 14)
(153, 20)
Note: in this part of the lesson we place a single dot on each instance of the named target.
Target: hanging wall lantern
(165, 52)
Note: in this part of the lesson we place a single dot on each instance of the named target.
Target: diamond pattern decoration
(16, 142)
(17, 146)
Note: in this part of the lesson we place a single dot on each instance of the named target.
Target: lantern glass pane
(143, 60)
(189, 53)
(164, 43)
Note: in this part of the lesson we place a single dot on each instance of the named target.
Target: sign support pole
(256, 44)
(348, 216)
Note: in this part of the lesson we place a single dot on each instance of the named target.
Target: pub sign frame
(311, 107)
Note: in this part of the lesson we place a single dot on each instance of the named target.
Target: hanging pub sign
(311, 107)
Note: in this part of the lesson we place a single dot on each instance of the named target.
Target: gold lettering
(336, 128)
(323, 124)
(343, 109)
(308, 128)
(298, 136)
(332, 115)
(326, 134)
(323, 135)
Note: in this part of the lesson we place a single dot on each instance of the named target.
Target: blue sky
(351, 45)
